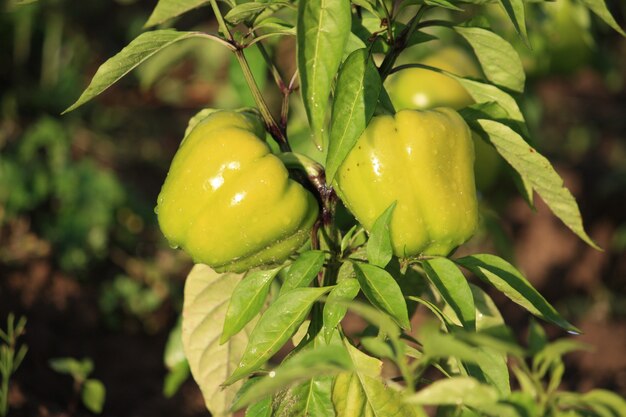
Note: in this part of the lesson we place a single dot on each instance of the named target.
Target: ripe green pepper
(228, 202)
(422, 160)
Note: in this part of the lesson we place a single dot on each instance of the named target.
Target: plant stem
(272, 127)
(400, 43)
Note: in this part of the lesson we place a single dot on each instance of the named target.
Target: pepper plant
(288, 238)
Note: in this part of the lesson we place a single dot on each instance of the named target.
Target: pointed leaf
(508, 280)
(599, 7)
(383, 292)
(362, 393)
(484, 93)
(459, 390)
(454, 289)
(516, 12)
(140, 49)
(322, 32)
(498, 59)
(379, 249)
(275, 327)
(206, 298)
(356, 95)
(168, 9)
(303, 270)
(337, 304)
(538, 171)
(319, 361)
(247, 300)
(93, 395)
(311, 399)
(262, 408)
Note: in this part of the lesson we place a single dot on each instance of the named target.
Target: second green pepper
(422, 160)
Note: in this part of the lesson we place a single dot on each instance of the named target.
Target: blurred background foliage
(80, 252)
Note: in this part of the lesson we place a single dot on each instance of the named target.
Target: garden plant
(364, 212)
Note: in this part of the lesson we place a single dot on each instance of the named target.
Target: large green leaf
(363, 393)
(337, 304)
(599, 8)
(507, 279)
(454, 289)
(538, 171)
(484, 93)
(383, 291)
(141, 48)
(319, 361)
(517, 14)
(247, 300)
(206, 299)
(275, 327)
(498, 59)
(168, 9)
(459, 390)
(311, 399)
(303, 270)
(379, 248)
(356, 95)
(322, 32)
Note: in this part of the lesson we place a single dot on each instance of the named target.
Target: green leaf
(599, 7)
(275, 327)
(362, 393)
(174, 353)
(322, 32)
(515, 10)
(438, 345)
(246, 11)
(498, 59)
(140, 49)
(311, 399)
(168, 9)
(205, 302)
(443, 3)
(484, 93)
(262, 408)
(491, 368)
(78, 369)
(459, 390)
(247, 300)
(537, 338)
(337, 304)
(303, 270)
(93, 395)
(379, 249)
(538, 171)
(356, 95)
(553, 352)
(608, 399)
(508, 280)
(383, 292)
(322, 360)
(454, 289)
(176, 376)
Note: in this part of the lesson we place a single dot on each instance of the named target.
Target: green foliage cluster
(79, 199)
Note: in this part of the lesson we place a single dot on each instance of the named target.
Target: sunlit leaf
(141, 48)
(356, 95)
(507, 279)
(322, 32)
(206, 299)
(275, 327)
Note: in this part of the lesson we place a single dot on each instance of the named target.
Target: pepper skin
(228, 202)
(422, 89)
(424, 161)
